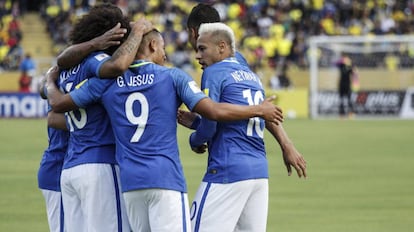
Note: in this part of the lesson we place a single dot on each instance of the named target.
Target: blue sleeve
(187, 89)
(205, 131)
(95, 61)
(207, 128)
(90, 91)
(196, 122)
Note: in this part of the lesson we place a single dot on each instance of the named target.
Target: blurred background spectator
(271, 33)
(28, 65)
(25, 83)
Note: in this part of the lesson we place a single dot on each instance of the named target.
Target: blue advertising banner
(22, 105)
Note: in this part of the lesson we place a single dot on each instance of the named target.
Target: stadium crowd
(270, 33)
(11, 52)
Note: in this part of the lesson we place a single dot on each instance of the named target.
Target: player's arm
(232, 112)
(84, 94)
(188, 90)
(188, 119)
(204, 132)
(191, 120)
(125, 54)
(42, 89)
(59, 101)
(291, 155)
(222, 112)
(74, 54)
(56, 120)
(122, 57)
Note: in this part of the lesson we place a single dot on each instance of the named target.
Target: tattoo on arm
(127, 48)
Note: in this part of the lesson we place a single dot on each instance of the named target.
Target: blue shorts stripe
(118, 198)
(200, 207)
(184, 212)
(62, 216)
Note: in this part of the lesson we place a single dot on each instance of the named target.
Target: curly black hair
(96, 22)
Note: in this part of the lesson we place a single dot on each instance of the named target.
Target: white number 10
(141, 120)
(254, 122)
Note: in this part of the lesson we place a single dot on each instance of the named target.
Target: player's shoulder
(176, 72)
(153, 67)
(222, 68)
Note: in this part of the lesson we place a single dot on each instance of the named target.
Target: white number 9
(141, 120)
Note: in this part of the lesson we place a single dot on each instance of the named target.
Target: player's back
(52, 159)
(90, 128)
(236, 145)
(143, 108)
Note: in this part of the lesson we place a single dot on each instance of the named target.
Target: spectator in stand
(25, 82)
(288, 21)
(281, 80)
(28, 65)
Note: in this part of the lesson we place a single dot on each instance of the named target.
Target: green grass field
(360, 176)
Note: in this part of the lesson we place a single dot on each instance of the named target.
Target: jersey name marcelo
(135, 80)
(63, 76)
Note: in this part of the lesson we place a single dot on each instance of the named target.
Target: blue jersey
(142, 105)
(236, 149)
(91, 136)
(51, 164)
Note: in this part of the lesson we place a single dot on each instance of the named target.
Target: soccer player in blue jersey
(233, 195)
(142, 105)
(90, 185)
(50, 168)
(206, 13)
(48, 175)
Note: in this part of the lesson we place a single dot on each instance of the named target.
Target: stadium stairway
(35, 41)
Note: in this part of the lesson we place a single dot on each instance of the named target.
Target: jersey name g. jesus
(142, 105)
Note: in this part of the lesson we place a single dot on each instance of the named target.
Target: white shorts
(54, 210)
(158, 210)
(92, 199)
(238, 206)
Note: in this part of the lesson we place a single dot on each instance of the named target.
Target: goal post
(385, 69)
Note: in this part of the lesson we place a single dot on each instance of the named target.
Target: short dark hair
(202, 13)
(147, 37)
(96, 22)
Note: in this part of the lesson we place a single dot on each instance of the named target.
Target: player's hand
(186, 118)
(200, 149)
(52, 74)
(292, 157)
(142, 26)
(110, 38)
(271, 112)
(42, 87)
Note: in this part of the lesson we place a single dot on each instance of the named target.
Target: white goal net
(385, 75)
